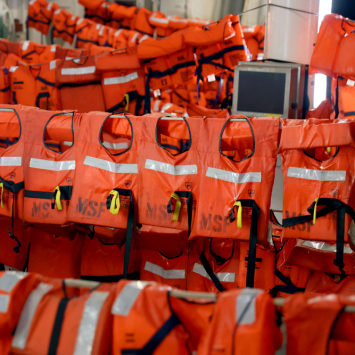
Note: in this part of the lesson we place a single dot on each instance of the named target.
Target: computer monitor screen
(261, 92)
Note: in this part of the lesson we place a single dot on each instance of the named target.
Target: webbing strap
(252, 239)
(130, 226)
(331, 205)
(289, 287)
(11, 186)
(210, 273)
(42, 95)
(65, 193)
(132, 95)
(57, 327)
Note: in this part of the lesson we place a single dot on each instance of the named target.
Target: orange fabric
(54, 256)
(34, 53)
(303, 146)
(64, 25)
(96, 302)
(9, 46)
(168, 107)
(346, 101)
(320, 282)
(117, 60)
(142, 24)
(5, 91)
(156, 186)
(197, 98)
(80, 85)
(231, 331)
(23, 86)
(82, 28)
(196, 110)
(64, 53)
(40, 14)
(91, 208)
(151, 309)
(168, 270)
(46, 168)
(117, 39)
(324, 110)
(223, 257)
(253, 149)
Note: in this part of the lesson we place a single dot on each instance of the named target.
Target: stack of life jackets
(40, 15)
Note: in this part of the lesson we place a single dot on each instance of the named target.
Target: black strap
(75, 85)
(14, 100)
(42, 95)
(133, 95)
(159, 336)
(57, 327)
(130, 226)
(289, 287)
(110, 278)
(252, 239)
(66, 193)
(351, 113)
(331, 205)
(210, 273)
(11, 186)
(188, 196)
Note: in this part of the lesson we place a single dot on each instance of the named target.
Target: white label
(52, 64)
(350, 82)
(211, 78)
(157, 93)
(25, 45)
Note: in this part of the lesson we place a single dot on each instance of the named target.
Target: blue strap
(289, 287)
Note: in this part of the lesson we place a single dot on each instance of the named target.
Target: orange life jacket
(177, 327)
(96, 10)
(197, 98)
(102, 260)
(196, 110)
(254, 39)
(40, 14)
(49, 165)
(123, 15)
(234, 165)
(117, 60)
(314, 319)
(79, 85)
(54, 256)
(168, 184)
(82, 28)
(61, 318)
(168, 270)
(5, 97)
(168, 108)
(331, 33)
(9, 46)
(346, 101)
(23, 86)
(108, 147)
(244, 322)
(317, 166)
(13, 128)
(161, 23)
(324, 110)
(14, 290)
(117, 39)
(142, 24)
(180, 97)
(64, 53)
(34, 53)
(64, 25)
(213, 265)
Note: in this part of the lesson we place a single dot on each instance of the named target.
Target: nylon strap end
(56, 199)
(2, 191)
(18, 244)
(126, 96)
(115, 202)
(239, 214)
(315, 210)
(177, 206)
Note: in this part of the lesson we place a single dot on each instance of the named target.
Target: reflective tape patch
(221, 276)
(115, 145)
(9, 280)
(156, 105)
(23, 327)
(10, 161)
(128, 296)
(52, 165)
(88, 323)
(121, 79)
(165, 274)
(325, 247)
(144, 38)
(245, 307)
(110, 166)
(134, 37)
(318, 175)
(25, 45)
(236, 178)
(78, 71)
(170, 169)
(159, 20)
(53, 48)
(166, 107)
(13, 69)
(117, 33)
(52, 64)
(4, 303)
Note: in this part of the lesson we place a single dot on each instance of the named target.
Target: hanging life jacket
(168, 182)
(60, 317)
(108, 149)
(168, 270)
(64, 25)
(34, 53)
(213, 265)
(168, 326)
(317, 160)
(40, 15)
(233, 156)
(244, 322)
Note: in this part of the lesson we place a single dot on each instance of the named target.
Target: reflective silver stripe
(13, 69)
(78, 71)
(4, 303)
(221, 276)
(170, 169)
(229, 176)
(283, 349)
(52, 165)
(325, 247)
(88, 323)
(110, 166)
(144, 38)
(9, 280)
(165, 274)
(318, 175)
(52, 64)
(23, 327)
(166, 106)
(245, 307)
(159, 20)
(25, 45)
(121, 79)
(156, 105)
(10, 161)
(115, 145)
(134, 37)
(128, 296)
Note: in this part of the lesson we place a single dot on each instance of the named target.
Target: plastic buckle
(170, 206)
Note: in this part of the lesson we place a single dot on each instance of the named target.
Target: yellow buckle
(315, 210)
(115, 203)
(239, 213)
(2, 191)
(177, 206)
(126, 96)
(57, 198)
(329, 150)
